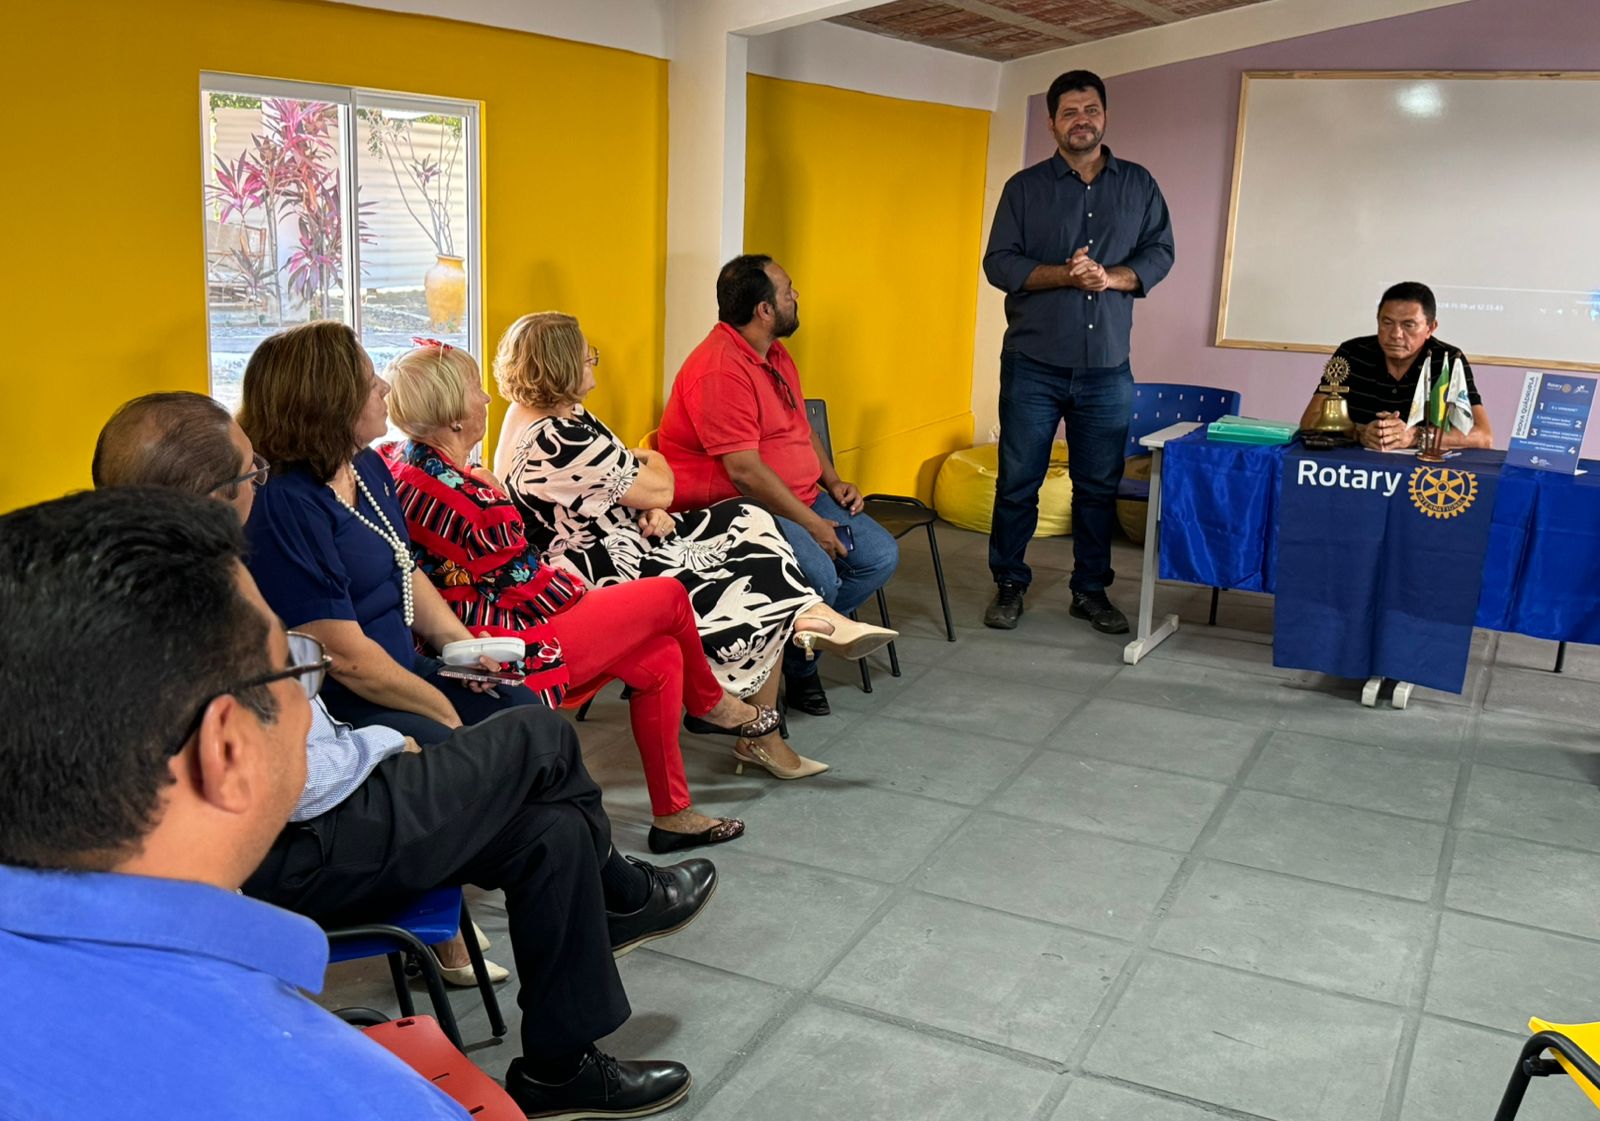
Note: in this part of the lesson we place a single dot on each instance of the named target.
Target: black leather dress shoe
(603, 1087)
(677, 895)
(1102, 616)
(805, 694)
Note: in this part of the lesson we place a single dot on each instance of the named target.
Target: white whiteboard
(1484, 186)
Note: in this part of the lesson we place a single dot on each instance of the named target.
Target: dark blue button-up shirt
(149, 998)
(1046, 214)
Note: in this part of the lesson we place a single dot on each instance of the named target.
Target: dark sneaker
(603, 1087)
(805, 694)
(1102, 616)
(1006, 607)
(677, 895)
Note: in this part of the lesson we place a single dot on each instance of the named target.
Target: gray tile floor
(1039, 885)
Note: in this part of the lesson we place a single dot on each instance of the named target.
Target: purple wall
(1179, 121)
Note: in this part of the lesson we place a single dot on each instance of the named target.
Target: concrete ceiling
(1008, 29)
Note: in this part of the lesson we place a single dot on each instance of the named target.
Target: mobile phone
(847, 537)
(478, 673)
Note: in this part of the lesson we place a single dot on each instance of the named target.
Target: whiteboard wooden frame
(1238, 170)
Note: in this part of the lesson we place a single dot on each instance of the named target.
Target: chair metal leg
(430, 974)
(883, 613)
(866, 671)
(944, 594)
(438, 994)
(1530, 1066)
(1216, 594)
(491, 1002)
(583, 712)
(1561, 656)
(402, 988)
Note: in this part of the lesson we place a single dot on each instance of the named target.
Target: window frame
(349, 99)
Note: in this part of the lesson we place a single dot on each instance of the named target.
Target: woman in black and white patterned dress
(598, 509)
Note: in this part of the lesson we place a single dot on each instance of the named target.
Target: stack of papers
(1250, 430)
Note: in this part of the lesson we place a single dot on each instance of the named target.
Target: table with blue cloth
(1381, 564)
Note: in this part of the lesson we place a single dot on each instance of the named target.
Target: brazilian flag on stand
(1439, 397)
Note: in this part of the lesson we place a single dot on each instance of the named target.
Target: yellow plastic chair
(649, 440)
(1574, 1047)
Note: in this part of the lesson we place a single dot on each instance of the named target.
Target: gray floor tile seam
(1513, 1037)
(1330, 803)
(1585, 725)
(1520, 768)
(1385, 895)
(1355, 705)
(1086, 833)
(1223, 1112)
(1082, 699)
(1376, 1003)
(1335, 804)
(1144, 765)
(1141, 944)
(1178, 707)
(701, 1094)
(1480, 831)
(933, 1031)
(1497, 920)
(1411, 1022)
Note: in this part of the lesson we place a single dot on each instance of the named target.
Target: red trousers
(644, 633)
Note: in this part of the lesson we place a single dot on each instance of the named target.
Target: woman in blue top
(328, 544)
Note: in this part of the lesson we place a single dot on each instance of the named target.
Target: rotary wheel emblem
(1440, 492)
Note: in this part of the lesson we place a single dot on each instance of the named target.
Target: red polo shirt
(727, 398)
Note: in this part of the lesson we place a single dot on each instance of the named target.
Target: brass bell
(1333, 427)
(1334, 418)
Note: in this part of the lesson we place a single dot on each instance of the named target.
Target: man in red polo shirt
(735, 424)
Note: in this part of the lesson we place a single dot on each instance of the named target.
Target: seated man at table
(503, 803)
(735, 424)
(1384, 369)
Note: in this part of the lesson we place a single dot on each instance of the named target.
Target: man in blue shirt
(154, 721)
(505, 803)
(1076, 239)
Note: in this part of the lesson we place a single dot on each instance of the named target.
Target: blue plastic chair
(431, 918)
(1155, 406)
(1158, 404)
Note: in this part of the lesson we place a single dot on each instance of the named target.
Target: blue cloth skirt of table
(1540, 565)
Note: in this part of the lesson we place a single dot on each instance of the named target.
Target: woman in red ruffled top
(468, 538)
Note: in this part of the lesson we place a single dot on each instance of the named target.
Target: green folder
(1250, 430)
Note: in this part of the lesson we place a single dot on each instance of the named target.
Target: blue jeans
(1095, 401)
(844, 584)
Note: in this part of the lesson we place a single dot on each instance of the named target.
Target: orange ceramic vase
(446, 289)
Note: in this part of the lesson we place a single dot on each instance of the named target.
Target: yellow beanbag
(963, 491)
(1132, 512)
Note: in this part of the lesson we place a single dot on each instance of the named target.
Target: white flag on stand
(1460, 405)
(1419, 399)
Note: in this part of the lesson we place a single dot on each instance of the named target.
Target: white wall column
(706, 150)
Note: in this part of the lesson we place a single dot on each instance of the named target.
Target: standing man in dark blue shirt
(1075, 240)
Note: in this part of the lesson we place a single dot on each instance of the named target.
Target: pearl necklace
(402, 551)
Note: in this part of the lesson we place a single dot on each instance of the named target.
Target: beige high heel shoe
(758, 756)
(848, 639)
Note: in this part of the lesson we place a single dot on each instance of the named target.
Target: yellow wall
(875, 207)
(104, 285)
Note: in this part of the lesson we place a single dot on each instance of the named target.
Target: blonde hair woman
(598, 509)
(468, 539)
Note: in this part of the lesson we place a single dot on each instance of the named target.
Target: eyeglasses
(257, 477)
(593, 358)
(308, 661)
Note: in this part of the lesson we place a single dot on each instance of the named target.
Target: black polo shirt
(1374, 391)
